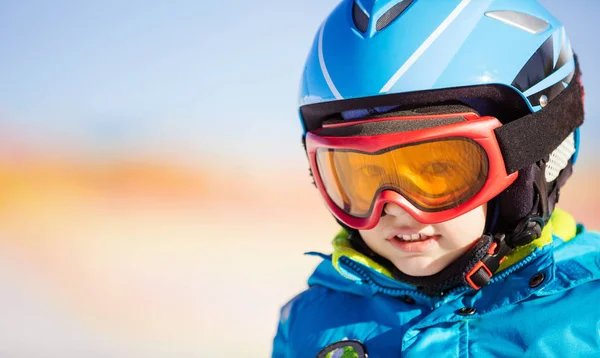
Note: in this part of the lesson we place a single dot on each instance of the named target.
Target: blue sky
(188, 80)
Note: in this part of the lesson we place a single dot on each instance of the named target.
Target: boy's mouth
(414, 242)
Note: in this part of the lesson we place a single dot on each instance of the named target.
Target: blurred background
(154, 194)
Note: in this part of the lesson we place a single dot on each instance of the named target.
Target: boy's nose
(394, 209)
(397, 211)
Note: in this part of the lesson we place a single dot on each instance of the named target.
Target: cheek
(465, 229)
(369, 236)
(374, 239)
(458, 237)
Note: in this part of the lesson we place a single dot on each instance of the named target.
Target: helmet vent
(539, 66)
(520, 20)
(361, 20)
(392, 14)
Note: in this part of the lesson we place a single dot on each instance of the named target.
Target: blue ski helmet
(504, 58)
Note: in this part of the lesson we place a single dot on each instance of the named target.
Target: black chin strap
(527, 230)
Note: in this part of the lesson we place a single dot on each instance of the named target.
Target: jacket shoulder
(585, 245)
(303, 301)
(577, 261)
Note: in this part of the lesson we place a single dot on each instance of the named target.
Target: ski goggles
(436, 167)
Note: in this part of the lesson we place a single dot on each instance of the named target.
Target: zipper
(359, 271)
(434, 301)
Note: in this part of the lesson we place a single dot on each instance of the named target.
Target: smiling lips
(414, 242)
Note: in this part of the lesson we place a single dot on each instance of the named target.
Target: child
(439, 134)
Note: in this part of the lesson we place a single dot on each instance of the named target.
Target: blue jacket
(544, 301)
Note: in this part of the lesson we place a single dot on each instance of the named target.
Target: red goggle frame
(473, 128)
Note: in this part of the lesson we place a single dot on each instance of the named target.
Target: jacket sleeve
(281, 343)
(289, 341)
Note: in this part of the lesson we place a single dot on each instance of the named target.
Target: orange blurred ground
(147, 259)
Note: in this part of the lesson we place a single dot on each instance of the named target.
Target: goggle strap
(531, 138)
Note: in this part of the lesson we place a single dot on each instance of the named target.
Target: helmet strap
(524, 232)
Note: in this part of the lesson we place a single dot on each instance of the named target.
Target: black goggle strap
(531, 138)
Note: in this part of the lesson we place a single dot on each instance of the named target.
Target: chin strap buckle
(481, 274)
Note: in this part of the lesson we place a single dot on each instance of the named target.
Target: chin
(420, 266)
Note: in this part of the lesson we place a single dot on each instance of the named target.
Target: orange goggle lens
(433, 176)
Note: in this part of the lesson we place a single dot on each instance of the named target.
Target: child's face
(444, 242)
